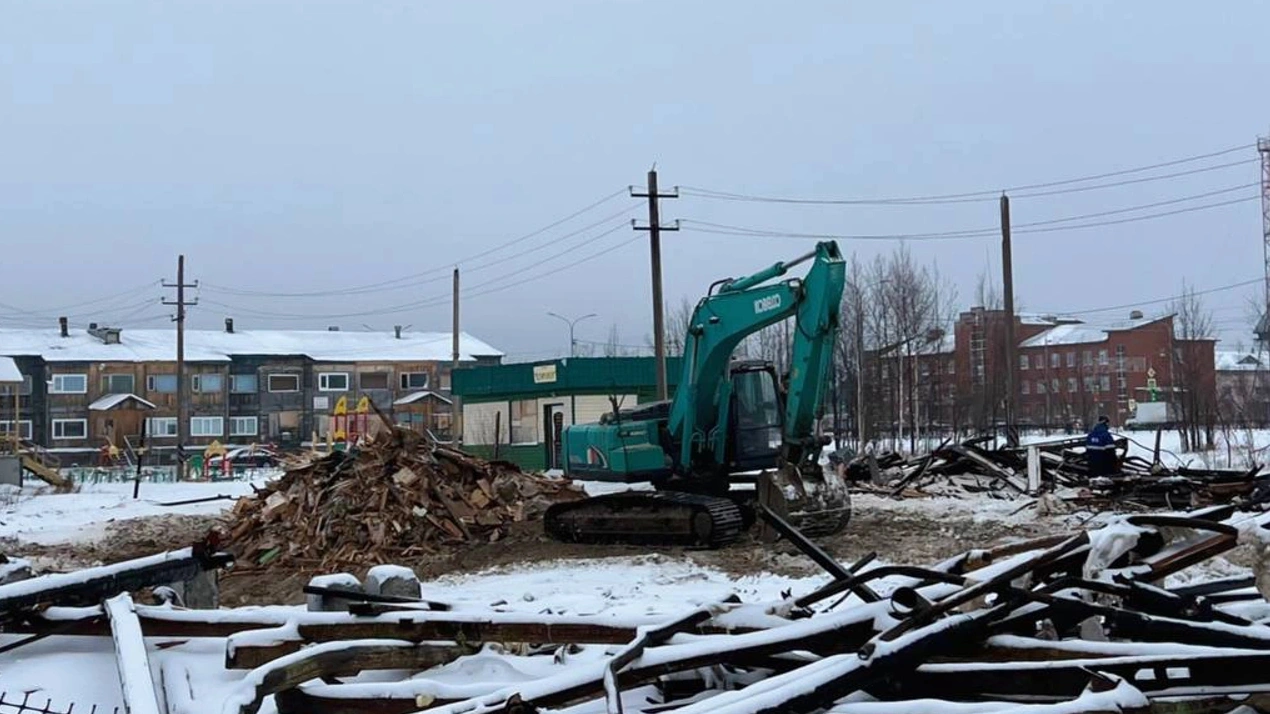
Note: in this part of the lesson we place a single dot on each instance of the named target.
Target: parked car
(246, 457)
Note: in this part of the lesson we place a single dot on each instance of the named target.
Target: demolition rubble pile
(1105, 620)
(973, 466)
(397, 496)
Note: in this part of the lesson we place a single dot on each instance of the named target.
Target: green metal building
(517, 411)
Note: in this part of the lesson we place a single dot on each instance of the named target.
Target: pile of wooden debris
(397, 496)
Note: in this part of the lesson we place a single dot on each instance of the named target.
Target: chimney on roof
(333, 328)
(1135, 315)
(397, 331)
(108, 335)
(229, 325)
(65, 326)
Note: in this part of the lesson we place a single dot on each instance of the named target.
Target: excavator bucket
(812, 499)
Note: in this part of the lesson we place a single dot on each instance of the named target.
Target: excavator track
(647, 518)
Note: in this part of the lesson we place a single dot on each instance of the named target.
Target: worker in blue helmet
(1100, 449)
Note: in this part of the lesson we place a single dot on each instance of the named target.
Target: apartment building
(1067, 370)
(86, 388)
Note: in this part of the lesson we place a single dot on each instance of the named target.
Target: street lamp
(572, 342)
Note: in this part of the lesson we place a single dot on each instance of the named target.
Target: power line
(374, 287)
(989, 194)
(1158, 301)
(437, 278)
(95, 302)
(1033, 227)
(442, 298)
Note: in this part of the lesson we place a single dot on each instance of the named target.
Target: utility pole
(456, 405)
(654, 229)
(182, 393)
(861, 432)
(1011, 349)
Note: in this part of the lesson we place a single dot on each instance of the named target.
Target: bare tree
(613, 343)
(1193, 392)
(675, 324)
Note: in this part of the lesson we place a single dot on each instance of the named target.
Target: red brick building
(1067, 371)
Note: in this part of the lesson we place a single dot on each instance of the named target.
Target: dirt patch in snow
(894, 536)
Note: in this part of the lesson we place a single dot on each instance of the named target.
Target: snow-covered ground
(40, 515)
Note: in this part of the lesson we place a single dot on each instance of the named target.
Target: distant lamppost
(573, 343)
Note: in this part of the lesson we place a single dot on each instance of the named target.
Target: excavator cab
(756, 419)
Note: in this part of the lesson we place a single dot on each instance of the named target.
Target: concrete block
(332, 603)
(393, 580)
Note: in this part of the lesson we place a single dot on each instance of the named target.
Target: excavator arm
(721, 321)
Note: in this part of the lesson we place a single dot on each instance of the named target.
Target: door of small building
(553, 432)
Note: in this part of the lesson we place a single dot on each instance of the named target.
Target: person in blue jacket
(1100, 449)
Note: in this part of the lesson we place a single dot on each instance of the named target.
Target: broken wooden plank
(139, 694)
(91, 585)
(335, 659)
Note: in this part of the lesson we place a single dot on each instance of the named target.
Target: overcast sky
(311, 147)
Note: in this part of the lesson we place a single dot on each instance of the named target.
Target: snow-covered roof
(1037, 319)
(419, 396)
(9, 373)
(1079, 333)
(110, 401)
(1234, 361)
(1070, 334)
(217, 346)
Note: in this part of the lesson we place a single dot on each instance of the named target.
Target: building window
(117, 383)
(161, 383)
(1071, 385)
(207, 383)
(1120, 350)
(333, 381)
(1102, 358)
(414, 380)
(1054, 385)
(1040, 387)
(1124, 383)
(952, 366)
(524, 420)
(1026, 387)
(243, 384)
(70, 428)
(372, 380)
(24, 429)
(1023, 362)
(1071, 359)
(1040, 361)
(161, 426)
(244, 426)
(7, 389)
(1104, 383)
(1091, 385)
(284, 383)
(69, 384)
(207, 426)
(445, 381)
(1089, 358)
(1055, 360)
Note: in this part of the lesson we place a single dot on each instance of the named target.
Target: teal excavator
(736, 437)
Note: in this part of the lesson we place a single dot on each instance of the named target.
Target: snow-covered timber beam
(1168, 673)
(335, 659)
(92, 585)
(139, 695)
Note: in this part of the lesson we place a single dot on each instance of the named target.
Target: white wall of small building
(479, 419)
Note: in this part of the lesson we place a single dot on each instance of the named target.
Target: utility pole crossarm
(654, 229)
